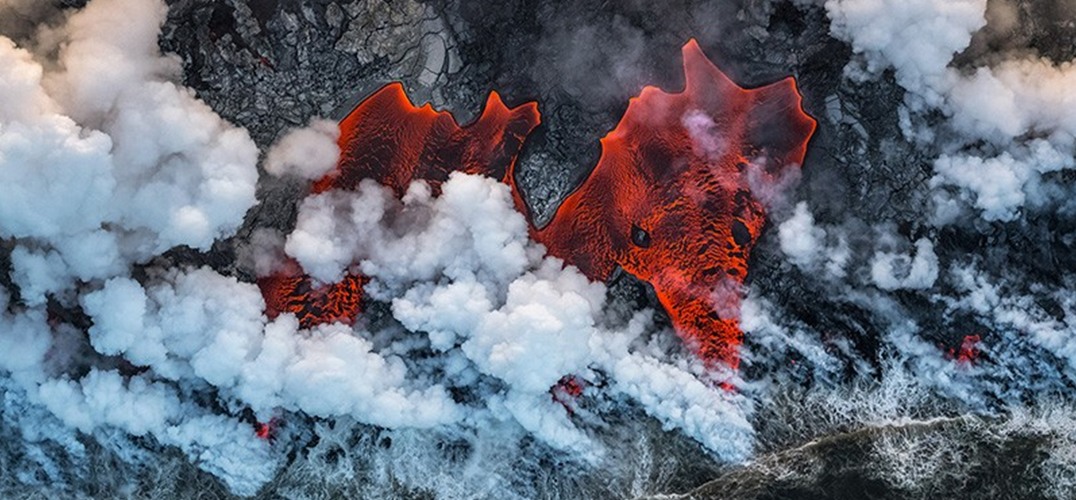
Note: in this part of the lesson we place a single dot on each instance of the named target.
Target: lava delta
(672, 199)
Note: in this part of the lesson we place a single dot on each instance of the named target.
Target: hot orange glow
(312, 305)
(567, 391)
(389, 140)
(673, 198)
(266, 430)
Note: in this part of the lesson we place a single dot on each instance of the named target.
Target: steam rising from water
(108, 163)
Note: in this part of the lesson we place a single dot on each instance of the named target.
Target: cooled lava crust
(676, 198)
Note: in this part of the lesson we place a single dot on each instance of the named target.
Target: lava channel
(675, 198)
(391, 141)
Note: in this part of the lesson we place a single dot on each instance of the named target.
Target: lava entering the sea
(672, 200)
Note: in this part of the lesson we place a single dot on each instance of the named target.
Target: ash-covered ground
(908, 313)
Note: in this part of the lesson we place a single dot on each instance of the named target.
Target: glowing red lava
(389, 140)
(266, 430)
(296, 293)
(567, 391)
(969, 350)
(673, 199)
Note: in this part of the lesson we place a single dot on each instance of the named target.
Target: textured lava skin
(294, 292)
(673, 199)
(387, 139)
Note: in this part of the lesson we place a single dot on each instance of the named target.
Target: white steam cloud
(1020, 104)
(460, 271)
(461, 268)
(106, 161)
(806, 245)
(892, 271)
(308, 153)
(201, 326)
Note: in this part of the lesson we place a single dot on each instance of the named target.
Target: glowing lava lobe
(391, 141)
(675, 197)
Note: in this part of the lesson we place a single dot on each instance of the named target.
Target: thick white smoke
(997, 128)
(1007, 125)
(460, 272)
(106, 163)
(199, 326)
(308, 153)
(461, 268)
(893, 271)
(806, 245)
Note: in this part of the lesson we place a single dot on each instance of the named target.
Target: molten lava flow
(969, 350)
(312, 305)
(674, 199)
(266, 430)
(567, 391)
(389, 140)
